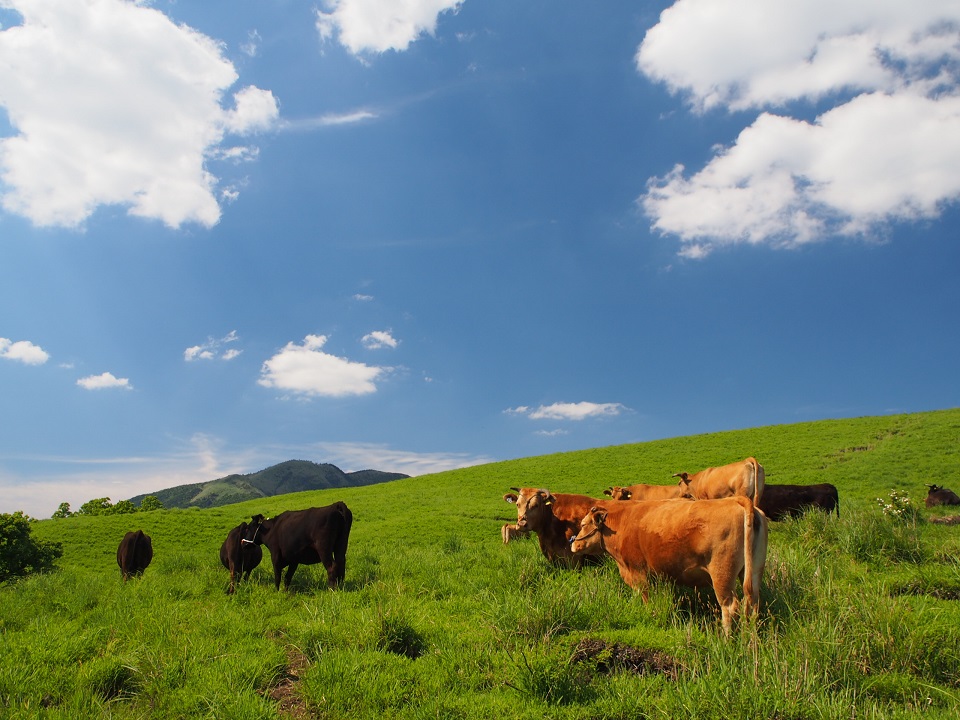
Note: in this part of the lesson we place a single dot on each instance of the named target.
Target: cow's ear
(511, 498)
(549, 498)
(608, 491)
(599, 516)
(626, 495)
(516, 490)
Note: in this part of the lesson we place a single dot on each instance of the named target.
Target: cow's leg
(277, 572)
(728, 604)
(290, 571)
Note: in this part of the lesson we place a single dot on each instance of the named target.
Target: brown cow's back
(745, 477)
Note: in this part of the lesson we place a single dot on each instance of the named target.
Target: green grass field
(438, 619)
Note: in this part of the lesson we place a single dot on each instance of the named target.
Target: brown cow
(134, 554)
(512, 532)
(937, 495)
(643, 492)
(295, 537)
(781, 501)
(699, 544)
(239, 556)
(554, 518)
(745, 477)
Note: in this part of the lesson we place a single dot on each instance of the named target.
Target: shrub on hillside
(21, 554)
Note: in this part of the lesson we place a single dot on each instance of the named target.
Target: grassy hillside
(438, 619)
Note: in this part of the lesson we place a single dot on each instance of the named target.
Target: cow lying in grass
(700, 544)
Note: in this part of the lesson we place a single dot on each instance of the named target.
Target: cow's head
(684, 484)
(618, 493)
(533, 505)
(253, 532)
(933, 489)
(589, 541)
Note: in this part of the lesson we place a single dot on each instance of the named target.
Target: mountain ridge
(286, 477)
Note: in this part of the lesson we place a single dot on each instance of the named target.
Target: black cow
(134, 554)
(938, 495)
(239, 556)
(295, 537)
(782, 501)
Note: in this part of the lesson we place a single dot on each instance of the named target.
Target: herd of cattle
(708, 530)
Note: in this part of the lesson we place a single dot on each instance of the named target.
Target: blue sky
(422, 235)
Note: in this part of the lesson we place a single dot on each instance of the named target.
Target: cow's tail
(759, 480)
(751, 520)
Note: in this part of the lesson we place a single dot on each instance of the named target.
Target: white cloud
(104, 381)
(213, 348)
(306, 370)
(252, 46)
(380, 25)
(351, 457)
(359, 297)
(569, 411)
(23, 351)
(887, 150)
(379, 339)
(114, 104)
(328, 120)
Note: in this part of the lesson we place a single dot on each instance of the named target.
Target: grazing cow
(643, 492)
(781, 501)
(938, 495)
(295, 537)
(699, 544)
(239, 555)
(554, 518)
(512, 532)
(134, 554)
(745, 478)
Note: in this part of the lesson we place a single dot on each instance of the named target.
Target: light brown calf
(643, 492)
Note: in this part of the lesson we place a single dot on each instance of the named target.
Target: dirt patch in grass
(286, 693)
(618, 657)
(946, 520)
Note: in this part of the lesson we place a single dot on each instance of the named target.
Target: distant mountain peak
(286, 477)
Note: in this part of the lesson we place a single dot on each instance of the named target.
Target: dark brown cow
(305, 537)
(554, 518)
(239, 556)
(700, 544)
(745, 478)
(782, 501)
(134, 554)
(938, 495)
(643, 492)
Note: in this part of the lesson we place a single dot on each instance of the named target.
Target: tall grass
(437, 618)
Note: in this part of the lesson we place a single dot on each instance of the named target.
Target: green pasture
(438, 619)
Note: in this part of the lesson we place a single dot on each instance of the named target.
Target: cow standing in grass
(134, 554)
(783, 501)
(239, 556)
(700, 544)
(745, 478)
(305, 537)
(554, 518)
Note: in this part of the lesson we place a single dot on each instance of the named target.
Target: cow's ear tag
(549, 502)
